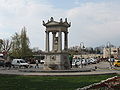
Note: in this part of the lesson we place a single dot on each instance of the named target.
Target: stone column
(54, 34)
(65, 40)
(59, 41)
(47, 41)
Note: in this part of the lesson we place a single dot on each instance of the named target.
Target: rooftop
(51, 22)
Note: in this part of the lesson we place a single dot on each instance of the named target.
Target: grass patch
(11, 82)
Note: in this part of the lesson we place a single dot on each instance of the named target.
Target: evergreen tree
(25, 50)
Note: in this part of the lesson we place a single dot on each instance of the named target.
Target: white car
(84, 61)
(93, 61)
(19, 63)
(76, 62)
(111, 59)
(42, 61)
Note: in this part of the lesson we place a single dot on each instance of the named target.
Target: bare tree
(1, 42)
(5, 47)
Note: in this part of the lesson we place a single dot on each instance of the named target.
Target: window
(22, 61)
(18, 62)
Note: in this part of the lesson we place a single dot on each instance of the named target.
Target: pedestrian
(70, 59)
(95, 67)
(7, 64)
(36, 62)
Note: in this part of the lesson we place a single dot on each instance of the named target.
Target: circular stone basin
(55, 71)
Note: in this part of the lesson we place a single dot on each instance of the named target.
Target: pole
(109, 46)
(81, 53)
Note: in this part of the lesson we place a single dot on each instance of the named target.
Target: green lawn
(11, 82)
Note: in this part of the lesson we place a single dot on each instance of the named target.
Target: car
(79, 62)
(84, 61)
(93, 61)
(19, 63)
(2, 63)
(76, 62)
(42, 61)
(88, 61)
(116, 63)
(111, 59)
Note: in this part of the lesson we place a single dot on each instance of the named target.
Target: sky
(94, 22)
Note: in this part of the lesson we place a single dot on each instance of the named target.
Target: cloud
(77, 2)
(93, 23)
(18, 13)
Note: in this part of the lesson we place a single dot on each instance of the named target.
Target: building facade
(112, 52)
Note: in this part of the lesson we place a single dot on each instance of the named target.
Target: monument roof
(55, 23)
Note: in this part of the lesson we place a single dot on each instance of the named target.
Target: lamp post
(81, 47)
(109, 53)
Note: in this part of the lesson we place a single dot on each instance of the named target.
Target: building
(89, 56)
(112, 52)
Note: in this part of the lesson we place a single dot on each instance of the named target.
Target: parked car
(2, 63)
(116, 63)
(76, 62)
(20, 63)
(111, 59)
(93, 61)
(42, 61)
(84, 61)
(88, 61)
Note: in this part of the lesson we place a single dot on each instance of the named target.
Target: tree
(1, 42)
(5, 47)
(20, 47)
(16, 46)
(97, 50)
(25, 50)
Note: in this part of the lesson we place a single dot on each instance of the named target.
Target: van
(19, 63)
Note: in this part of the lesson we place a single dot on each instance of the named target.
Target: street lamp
(109, 51)
(81, 47)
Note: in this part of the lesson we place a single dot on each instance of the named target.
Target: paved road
(101, 65)
(103, 68)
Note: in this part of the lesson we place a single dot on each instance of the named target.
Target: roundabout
(103, 68)
(38, 72)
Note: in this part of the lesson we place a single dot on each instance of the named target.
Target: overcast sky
(94, 22)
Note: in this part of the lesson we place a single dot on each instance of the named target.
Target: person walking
(70, 59)
(7, 65)
(36, 62)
